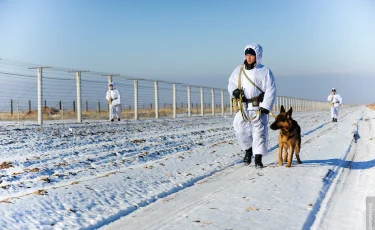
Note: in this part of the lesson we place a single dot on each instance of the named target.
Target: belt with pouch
(255, 101)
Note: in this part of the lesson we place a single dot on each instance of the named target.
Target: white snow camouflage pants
(114, 110)
(334, 112)
(252, 134)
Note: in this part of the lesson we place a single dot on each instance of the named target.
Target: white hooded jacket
(335, 99)
(260, 75)
(115, 95)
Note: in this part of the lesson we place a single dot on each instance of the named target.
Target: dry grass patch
(6, 165)
(40, 192)
(45, 179)
(372, 106)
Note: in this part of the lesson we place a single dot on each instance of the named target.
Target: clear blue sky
(201, 42)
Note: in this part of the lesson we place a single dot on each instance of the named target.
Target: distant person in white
(335, 101)
(114, 100)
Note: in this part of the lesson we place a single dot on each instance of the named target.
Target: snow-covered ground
(182, 174)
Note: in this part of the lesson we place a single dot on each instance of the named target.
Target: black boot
(333, 119)
(118, 119)
(112, 120)
(258, 161)
(248, 156)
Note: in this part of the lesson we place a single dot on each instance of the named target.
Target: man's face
(251, 59)
(333, 92)
(111, 87)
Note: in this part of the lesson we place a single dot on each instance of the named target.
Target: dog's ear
(289, 113)
(282, 110)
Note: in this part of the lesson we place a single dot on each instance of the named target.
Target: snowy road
(248, 198)
(170, 174)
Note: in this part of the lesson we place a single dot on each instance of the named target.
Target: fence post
(62, 111)
(304, 105)
(275, 107)
(109, 82)
(174, 101)
(202, 102)
(308, 105)
(79, 100)
(60, 105)
(231, 105)
(213, 102)
(74, 106)
(99, 107)
(291, 102)
(276, 103)
(45, 104)
(297, 104)
(29, 106)
(189, 101)
(222, 102)
(18, 112)
(287, 103)
(40, 96)
(135, 99)
(11, 107)
(156, 86)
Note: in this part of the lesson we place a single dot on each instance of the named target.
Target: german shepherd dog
(289, 137)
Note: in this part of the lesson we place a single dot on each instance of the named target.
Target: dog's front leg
(290, 157)
(286, 153)
(281, 146)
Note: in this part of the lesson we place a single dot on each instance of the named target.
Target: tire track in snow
(330, 181)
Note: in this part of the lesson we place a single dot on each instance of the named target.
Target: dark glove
(263, 110)
(236, 93)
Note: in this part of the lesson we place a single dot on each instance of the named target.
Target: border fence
(38, 93)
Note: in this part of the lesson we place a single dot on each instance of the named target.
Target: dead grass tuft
(6, 165)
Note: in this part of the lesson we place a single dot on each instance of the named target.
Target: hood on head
(258, 50)
(111, 83)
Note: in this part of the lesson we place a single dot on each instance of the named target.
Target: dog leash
(243, 112)
(251, 118)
